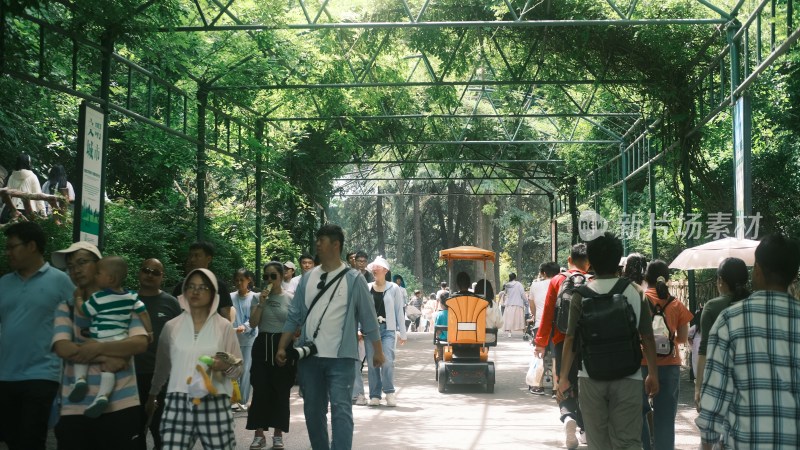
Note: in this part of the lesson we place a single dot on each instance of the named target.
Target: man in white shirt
(328, 322)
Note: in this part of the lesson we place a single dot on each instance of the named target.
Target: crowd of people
(102, 365)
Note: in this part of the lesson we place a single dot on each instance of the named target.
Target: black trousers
(143, 382)
(24, 412)
(569, 406)
(118, 430)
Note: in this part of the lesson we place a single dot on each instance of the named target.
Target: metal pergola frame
(752, 47)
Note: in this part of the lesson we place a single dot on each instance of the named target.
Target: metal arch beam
(449, 116)
(446, 161)
(399, 84)
(450, 24)
(499, 142)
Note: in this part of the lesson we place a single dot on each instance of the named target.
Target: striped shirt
(751, 388)
(111, 312)
(125, 393)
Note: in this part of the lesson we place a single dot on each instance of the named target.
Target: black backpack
(568, 287)
(608, 333)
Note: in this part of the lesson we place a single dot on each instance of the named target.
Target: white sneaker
(242, 407)
(508, 334)
(374, 402)
(582, 437)
(391, 399)
(570, 439)
(361, 400)
(235, 407)
(258, 443)
(277, 442)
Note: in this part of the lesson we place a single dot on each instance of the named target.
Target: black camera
(304, 351)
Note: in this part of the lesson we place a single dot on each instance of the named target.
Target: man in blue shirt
(29, 371)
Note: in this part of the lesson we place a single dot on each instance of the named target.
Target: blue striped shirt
(751, 389)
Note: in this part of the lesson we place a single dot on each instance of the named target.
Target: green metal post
(259, 185)
(651, 181)
(624, 167)
(107, 50)
(553, 228)
(742, 126)
(687, 209)
(2, 36)
(202, 103)
(573, 208)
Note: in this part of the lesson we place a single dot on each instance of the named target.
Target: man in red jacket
(570, 413)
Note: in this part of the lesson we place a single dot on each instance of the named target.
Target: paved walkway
(464, 417)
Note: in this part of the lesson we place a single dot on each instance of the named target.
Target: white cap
(289, 264)
(59, 258)
(379, 262)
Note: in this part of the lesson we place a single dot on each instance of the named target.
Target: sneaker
(553, 394)
(374, 402)
(508, 334)
(570, 428)
(582, 437)
(277, 441)
(258, 443)
(97, 408)
(235, 407)
(536, 390)
(391, 399)
(361, 400)
(242, 407)
(78, 391)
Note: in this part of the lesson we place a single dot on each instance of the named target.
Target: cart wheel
(490, 379)
(441, 377)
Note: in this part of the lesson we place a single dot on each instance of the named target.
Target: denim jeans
(322, 379)
(665, 406)
(382, 379)
(244, 380)
(358, 383)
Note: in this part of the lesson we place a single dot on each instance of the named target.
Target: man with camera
(330, 301)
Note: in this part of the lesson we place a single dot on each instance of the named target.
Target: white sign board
(92, 195)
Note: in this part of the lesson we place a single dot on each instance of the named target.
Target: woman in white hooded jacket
(389, 300)
(198, 331)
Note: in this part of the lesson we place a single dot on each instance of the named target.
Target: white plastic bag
(535, 371)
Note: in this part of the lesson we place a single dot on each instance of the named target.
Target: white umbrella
(710, 254)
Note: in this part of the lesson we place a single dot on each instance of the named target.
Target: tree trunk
(496, 247)
(401, 240)
(451, 209)
(417, 242)
(379, 225)
(520, 239)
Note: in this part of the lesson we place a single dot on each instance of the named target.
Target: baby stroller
(527, 333)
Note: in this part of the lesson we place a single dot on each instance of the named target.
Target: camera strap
(325, 288)
(337, 277)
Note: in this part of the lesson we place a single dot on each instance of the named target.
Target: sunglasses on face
(270, 276)
(149, 271)
(322, 279)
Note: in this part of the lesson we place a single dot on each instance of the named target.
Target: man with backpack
(608, 320)
(558, 294)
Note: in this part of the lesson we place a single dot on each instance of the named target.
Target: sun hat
(59, 258)
(289, 265)
(379, 262)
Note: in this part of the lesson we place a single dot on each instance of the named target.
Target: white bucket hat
(379, 262)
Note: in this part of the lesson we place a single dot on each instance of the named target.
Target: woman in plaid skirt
(203, 412)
